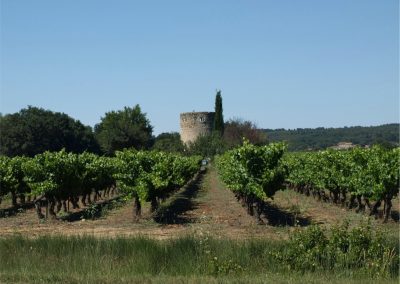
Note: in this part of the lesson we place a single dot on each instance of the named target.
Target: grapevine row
(253, 173)
(58, 177)
(361, 178)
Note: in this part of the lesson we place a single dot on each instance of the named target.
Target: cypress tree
(219, 118)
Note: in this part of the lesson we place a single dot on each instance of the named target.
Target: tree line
(301, 139)
(34, 130)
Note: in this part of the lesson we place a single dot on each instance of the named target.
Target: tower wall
(195, 124)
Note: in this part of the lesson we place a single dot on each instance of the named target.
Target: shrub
(342, 248)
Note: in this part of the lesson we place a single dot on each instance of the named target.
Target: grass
(142, 260)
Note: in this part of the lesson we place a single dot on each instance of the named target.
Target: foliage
(12, 177)
(127, 128)
(92, 211)
(361, 174)
(207, 146)
(237, 129)
(302, 139)
(97, 210)
(53, 173)
(169, 142)
(34, 130)
(97, 172)
(149, 176)
(253, 173)
(61, 176)
(219, 117)
(341, 248)
(253, 170)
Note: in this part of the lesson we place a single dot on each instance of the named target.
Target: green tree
(207, 145)
(34, 130)
(169, 142)
(124, 129)
(219, 118)
(237, 129)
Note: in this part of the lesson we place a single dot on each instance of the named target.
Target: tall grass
(142, 260)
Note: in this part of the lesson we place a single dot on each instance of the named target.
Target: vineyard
(364, 179)
(173, 226)
(55, 178)
(361, 178)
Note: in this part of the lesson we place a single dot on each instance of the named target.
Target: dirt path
(203, 207)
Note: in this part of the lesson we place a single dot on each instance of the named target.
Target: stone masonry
(195, 124)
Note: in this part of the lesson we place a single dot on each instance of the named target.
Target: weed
(340, 249)
(136, 260)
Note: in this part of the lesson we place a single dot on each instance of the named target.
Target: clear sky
(281, 63)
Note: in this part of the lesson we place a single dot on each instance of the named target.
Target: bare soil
(203, 207)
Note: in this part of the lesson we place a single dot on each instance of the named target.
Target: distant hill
(321, 138)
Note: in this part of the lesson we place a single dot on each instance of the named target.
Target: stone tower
(195, 124)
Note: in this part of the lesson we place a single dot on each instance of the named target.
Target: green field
(143, 260)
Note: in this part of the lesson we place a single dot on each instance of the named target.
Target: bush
(340, 249)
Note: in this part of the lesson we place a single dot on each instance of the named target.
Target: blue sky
(281, 64)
